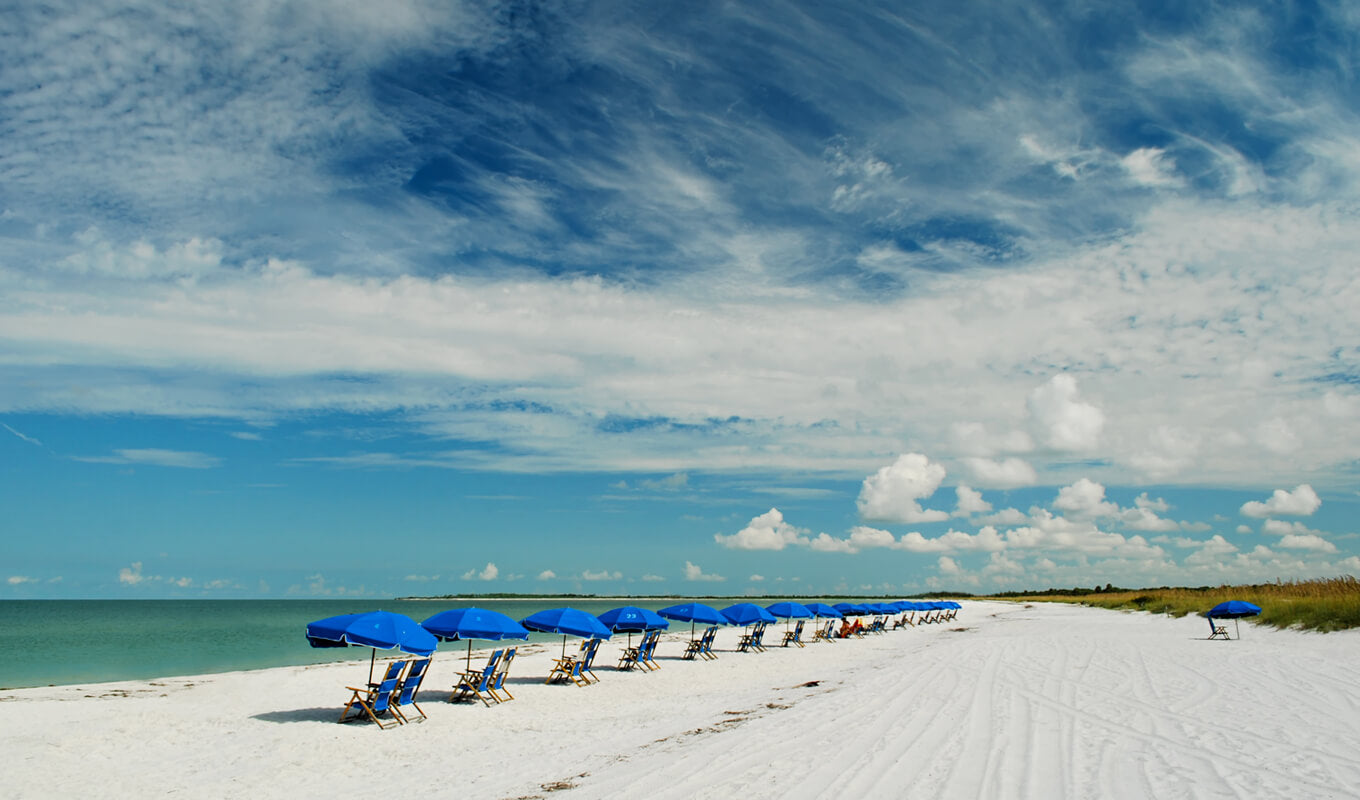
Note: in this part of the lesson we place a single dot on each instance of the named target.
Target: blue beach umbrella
(850, 609)
(694, 613)
(824, 610)
(473, 623)
(380, 630)
(746, 614)
(568, 622)
(789, 610)
(631, 619)
(1234, 610)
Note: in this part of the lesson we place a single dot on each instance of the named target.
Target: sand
(1009, 700)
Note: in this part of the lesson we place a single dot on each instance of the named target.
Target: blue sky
(328, 299)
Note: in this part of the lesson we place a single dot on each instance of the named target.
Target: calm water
(46, 642)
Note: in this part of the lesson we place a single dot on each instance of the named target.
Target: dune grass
(1324, 604)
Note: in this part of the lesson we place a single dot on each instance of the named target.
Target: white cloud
(131, 575)
(19, 580)
(948, 566)
(25, 438)
(487, 573)
(546, 575)
(1306, 541)
(669, 483)
(649, 578)
(1150, 166)
(768, 531)
(756, 578)
(970, 502)
(694, 573)
(601, 575)
(894, 493)
(156, 458)
(1004, 474)
(1301, 502)
(1085, 498)
(1061, 420)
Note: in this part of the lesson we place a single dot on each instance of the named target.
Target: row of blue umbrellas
(385, 630)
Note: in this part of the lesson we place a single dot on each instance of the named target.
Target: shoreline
(1008, 700)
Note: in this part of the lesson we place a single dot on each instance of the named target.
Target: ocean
(59, 642)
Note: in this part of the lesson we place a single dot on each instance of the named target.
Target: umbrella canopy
(746, 614)
(567, 621)
(1234, 609)
(382, 630)
(473, 623)
(850, 609)
(824, 610)
(788, 610)
(632, 618)
(694, 612)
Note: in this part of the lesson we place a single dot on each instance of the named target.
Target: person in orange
(845, 629)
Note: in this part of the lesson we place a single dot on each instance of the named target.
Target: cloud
(547, 575)
(948, 566)
(1085, 498)
(487, 573)
(694, 573)
(131, 575)
(1061, 420)
(768, 531)
(247, 436)
(19, 580)
(1150, 166)
(1301, 502)
(669, 483)
(893, 494)
(28, 439)
(156, 458)
(1003, 474)
(601, 575)
(756, 578)
(649, 578)
(1307, 541)
(970, 502)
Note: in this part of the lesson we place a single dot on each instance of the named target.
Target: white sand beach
(1008, 701)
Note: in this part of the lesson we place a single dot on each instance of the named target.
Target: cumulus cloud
(893, 494)
(1306, 541)
(948, 566)
(1300, 502)
(1005, 473)
(1061, 420)
(131, 575)
(601, 575)
(693, 572)
(1085, 498)
(768, 531)
(19, 580)
(487, 573)
(970, 502)
(546, 575)
(670, 483)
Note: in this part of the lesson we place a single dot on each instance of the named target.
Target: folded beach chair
(497, 687)
(478, 683)
(647, 650)
(376, 698)
(592, 646)
(758, 636)
(410, 685)
(794, 636)
(1217, 631)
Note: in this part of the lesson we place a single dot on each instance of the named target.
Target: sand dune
(1008, 701)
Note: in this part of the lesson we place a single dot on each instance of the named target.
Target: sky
(343, 299)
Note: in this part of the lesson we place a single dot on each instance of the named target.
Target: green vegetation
(1324, 604)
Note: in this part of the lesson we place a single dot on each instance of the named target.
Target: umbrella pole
(373, 656)
(1237, 627)
(469, 659)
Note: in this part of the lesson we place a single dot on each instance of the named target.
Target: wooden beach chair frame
(410, 686)
(477, 683)
(498, 680)
(376, 698)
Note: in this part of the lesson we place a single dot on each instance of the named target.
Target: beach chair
(744, 643)
(592, 646)
(826, 633)
(628, 656)
(794, 636)
(477, 683)
(497, 687)
(570, 668)
(647, 650)
(758, 636)
(1217, 631)
(410, 685)
(694, 647)
(707, 647)
(375, 699)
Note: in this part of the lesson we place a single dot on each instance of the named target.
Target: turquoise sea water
(53, 642)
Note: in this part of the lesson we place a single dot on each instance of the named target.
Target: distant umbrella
(568, 622)
(1234, 610)
(824, 610)
(746, 614)
(380, 630)
(789, 610)
(632, 619)
(473, 623)
(694, 613)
